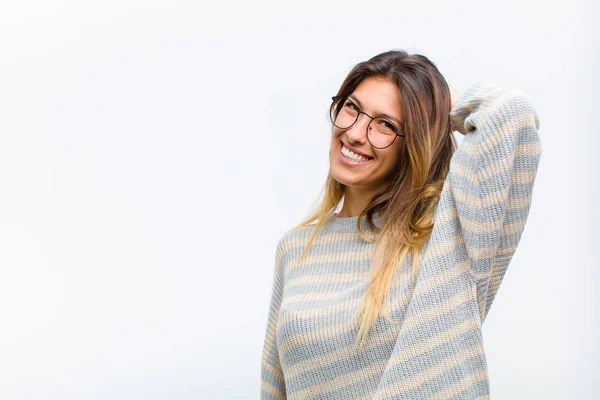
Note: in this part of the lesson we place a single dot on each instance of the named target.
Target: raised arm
(492, 175)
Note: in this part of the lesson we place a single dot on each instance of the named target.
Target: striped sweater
(434, 349)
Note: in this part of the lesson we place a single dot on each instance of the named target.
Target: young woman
(385, 299)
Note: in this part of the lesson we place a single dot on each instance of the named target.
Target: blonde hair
(408, 202)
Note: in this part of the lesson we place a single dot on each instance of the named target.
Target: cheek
(334, 139)
(391, 162)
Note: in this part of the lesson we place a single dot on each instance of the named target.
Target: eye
(351, 105)
(389, 125)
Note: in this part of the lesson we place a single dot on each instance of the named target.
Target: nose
(358, 132)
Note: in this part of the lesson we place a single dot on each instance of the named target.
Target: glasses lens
(347, 115)
(382, 132)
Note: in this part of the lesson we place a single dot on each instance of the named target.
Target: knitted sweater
(435, 348)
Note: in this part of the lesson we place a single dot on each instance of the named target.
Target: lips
(355, 151)
(351, 163)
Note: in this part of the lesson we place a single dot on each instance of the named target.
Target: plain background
(153, 152)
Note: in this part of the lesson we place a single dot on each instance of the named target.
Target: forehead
(379, 96)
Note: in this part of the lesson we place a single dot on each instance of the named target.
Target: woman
(385, 299)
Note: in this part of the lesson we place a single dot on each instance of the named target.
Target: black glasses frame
(334, 98)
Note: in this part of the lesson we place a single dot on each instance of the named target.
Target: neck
(355, 201)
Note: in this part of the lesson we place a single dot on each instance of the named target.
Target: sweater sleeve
(272, 380)
(492, 175)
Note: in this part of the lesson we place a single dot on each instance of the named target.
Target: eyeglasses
(344, 113)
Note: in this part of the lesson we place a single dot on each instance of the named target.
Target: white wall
(153, 152)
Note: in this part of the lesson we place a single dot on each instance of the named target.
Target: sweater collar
(348, 224)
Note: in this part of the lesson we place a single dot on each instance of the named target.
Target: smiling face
(375, 96)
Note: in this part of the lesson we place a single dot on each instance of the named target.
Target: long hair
(407, 203)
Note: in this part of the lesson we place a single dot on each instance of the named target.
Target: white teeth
(351, 155)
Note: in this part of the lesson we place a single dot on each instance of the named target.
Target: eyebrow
(380, 114)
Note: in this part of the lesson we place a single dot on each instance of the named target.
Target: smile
(352, 159)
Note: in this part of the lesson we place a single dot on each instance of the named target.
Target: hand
(454, 95)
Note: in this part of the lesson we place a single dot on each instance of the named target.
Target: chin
(345, 178)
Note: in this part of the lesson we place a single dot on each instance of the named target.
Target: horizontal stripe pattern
(433, 347)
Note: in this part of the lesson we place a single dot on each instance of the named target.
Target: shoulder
(292, 242)
(294, 237)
